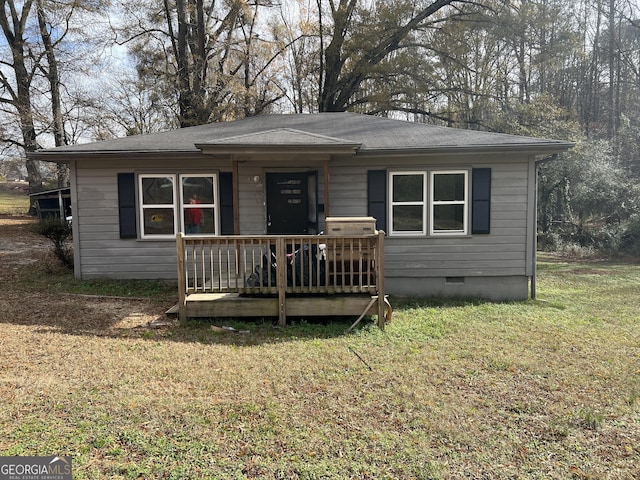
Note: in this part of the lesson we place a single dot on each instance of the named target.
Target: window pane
(448, 187)
(448, 217)
(208, 224)
(157, 191)
(199, 220)
(198, 190)
(408, 188)
(407, 218)
(158, 221)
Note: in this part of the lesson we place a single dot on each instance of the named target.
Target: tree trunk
(21, 97)
(53, 77)
(184, 83)
(612, 54)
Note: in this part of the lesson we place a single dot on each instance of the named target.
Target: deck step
(173, 311)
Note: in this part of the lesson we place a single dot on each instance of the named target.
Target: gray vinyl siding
(501, 255)
(251, 199)
(348, 191)
(102, 253)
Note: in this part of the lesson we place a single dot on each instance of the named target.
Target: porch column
(327, 213)
(236, 198)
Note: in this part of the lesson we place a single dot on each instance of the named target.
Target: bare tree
(16, 93)
(207, 55)
(32, 90)
(51, 72)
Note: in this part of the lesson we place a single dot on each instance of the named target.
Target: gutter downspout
(534, 266)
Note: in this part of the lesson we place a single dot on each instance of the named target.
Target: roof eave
(542, 148)
(67, 156)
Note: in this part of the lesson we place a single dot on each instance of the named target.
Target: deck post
(182, 277)
(380, 278)
(281, 279)
(210, 268)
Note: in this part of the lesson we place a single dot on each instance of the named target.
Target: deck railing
(280, 265)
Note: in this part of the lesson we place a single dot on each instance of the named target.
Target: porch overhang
(286, 141)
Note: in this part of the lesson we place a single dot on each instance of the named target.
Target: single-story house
(458, 206)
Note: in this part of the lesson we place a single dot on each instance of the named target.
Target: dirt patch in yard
(18, 244)
(24, 253)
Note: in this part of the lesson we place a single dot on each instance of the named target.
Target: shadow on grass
(136, 317)
(233, 331)
(50, 299)
(437, 302)
(135, 309)
(266, 330)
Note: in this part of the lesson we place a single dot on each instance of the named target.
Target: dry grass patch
(540, 389)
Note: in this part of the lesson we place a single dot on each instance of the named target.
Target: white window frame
(184, 203)
(177, 205)
(464, 202)
(422, 203)
(142, 206)
(428, 203)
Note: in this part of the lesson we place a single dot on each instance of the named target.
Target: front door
(288, 203)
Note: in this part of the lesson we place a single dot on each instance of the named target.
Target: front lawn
(542, 389)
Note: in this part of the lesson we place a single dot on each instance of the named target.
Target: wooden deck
(240, 276)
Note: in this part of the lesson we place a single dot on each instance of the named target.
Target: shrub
(59, 232)
(630, 238)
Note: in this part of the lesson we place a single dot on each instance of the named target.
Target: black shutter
(377, 197)
(127, 205)
(226, 203)
(481, 201)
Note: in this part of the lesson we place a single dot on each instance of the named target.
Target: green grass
(547, 388)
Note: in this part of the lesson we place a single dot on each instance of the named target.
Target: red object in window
(193, 216)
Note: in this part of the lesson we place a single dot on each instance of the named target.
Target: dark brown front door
(287, 203)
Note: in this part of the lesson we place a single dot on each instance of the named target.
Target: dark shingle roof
(368, 134)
